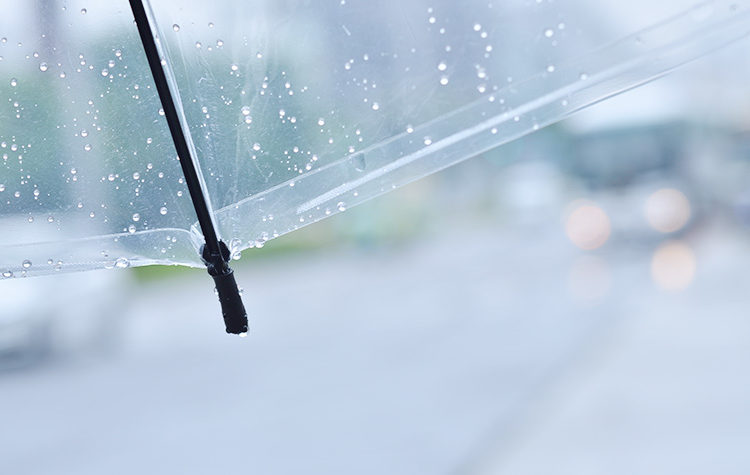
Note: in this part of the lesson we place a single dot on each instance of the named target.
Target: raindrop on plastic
(122, 263)
(358, 162)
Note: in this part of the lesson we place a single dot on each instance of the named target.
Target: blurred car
(59, 315)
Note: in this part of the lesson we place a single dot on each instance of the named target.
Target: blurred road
(466, 354)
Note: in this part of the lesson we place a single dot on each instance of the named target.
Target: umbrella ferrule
(232, 308)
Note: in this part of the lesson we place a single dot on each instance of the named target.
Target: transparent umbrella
(201, 123)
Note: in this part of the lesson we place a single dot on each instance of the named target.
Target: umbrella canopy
(290, 111)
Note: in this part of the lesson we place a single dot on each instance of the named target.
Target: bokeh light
(587, 225)
(667, 210)
(673, 266)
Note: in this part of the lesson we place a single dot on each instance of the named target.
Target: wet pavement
(497, 354)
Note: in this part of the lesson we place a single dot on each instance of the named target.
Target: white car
(59, 314)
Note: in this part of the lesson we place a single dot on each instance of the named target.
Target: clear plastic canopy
(297, 109)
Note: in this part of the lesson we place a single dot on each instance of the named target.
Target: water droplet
(122, 263)
(198, 44)
(477, 27)
(87, 148)
(243, 335)
(549, 32)
(551, 68)
(14, 82)
(131, 229)
(321, 122)
(245, 111)
(341, 206)
(358, 161)
(375, 106)
(26, 264)
(427, 141)
(176, 27)
(256, 146)
(234, 67)
(444, 81)
(105, 72)
(83, 11)
(136, 176)
(43, 67)
(2, 187)
(7, 274)
(136, 217)
(583, 76)
(442, 66)
(163, 210)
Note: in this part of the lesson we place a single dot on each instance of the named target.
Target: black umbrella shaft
(215, 253)
(187, 161)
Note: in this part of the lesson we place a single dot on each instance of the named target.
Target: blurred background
(574, 302)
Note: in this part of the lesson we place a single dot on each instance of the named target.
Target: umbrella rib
(215, 253)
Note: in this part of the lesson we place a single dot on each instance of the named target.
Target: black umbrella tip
(232, 308)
